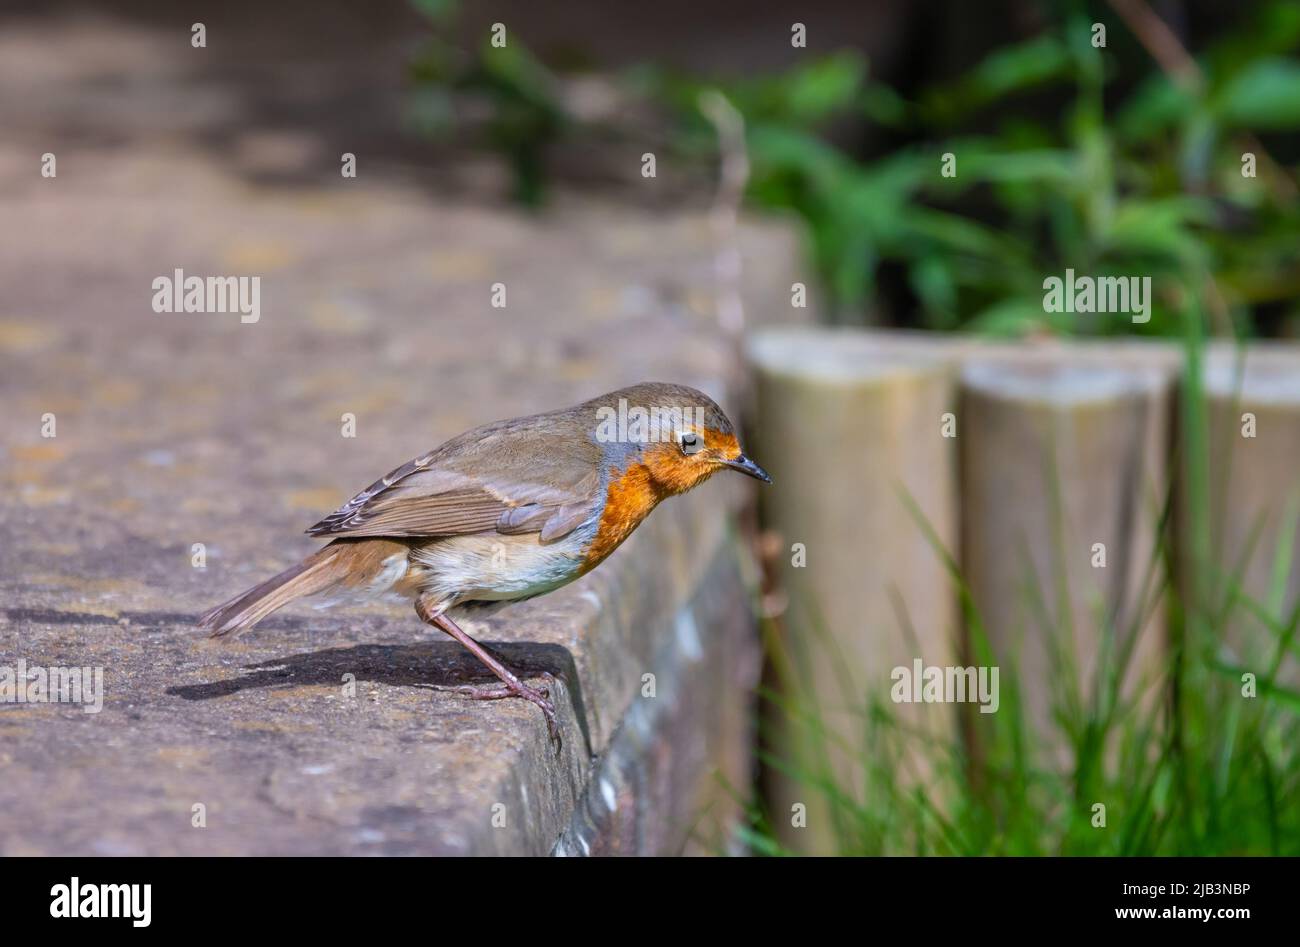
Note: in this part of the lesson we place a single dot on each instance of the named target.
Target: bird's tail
(318, 572)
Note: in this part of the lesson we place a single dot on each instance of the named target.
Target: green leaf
(1032, 63)
(1154, 107)
(932, 280)
(825, 87)
(882, 104)
(1022, 66)
(1264, 95)
(956, 234)
(1273, 30)
(1010, 317)
(804, 97)
(1158, 228)
(779, 152)
(436, 10)
(1047, 165)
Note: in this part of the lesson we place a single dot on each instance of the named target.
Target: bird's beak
(749, 468)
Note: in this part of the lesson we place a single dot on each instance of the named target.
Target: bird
(506, 512)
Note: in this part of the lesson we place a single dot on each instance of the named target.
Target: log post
(1064, 480)
(851, 426)
(1252, 537)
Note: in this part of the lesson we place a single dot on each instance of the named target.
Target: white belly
(489, 567)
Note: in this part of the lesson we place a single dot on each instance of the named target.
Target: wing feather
(515, 477)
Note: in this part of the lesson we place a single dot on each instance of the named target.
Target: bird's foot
(541, 696)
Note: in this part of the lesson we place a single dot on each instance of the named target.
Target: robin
(506, 512)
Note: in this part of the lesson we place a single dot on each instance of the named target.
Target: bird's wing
(502, 477)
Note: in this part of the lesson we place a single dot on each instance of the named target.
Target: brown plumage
(342, 562)
(506, 511)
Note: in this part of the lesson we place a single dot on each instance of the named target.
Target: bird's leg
(512, 686)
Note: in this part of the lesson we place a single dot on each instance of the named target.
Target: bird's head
(677, 434)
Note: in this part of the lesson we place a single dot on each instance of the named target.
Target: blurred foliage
(1095, 161)
(521, 112)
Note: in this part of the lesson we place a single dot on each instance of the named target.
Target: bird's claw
(541, 696)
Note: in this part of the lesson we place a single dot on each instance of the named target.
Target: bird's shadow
(432, 665)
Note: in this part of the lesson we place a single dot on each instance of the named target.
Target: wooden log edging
(1070, 457)
(1064, 477)
(848, 423)
(1253, 453)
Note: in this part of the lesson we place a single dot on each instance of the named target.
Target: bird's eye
(691, 442)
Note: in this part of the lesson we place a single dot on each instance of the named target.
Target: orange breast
(629, 499)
